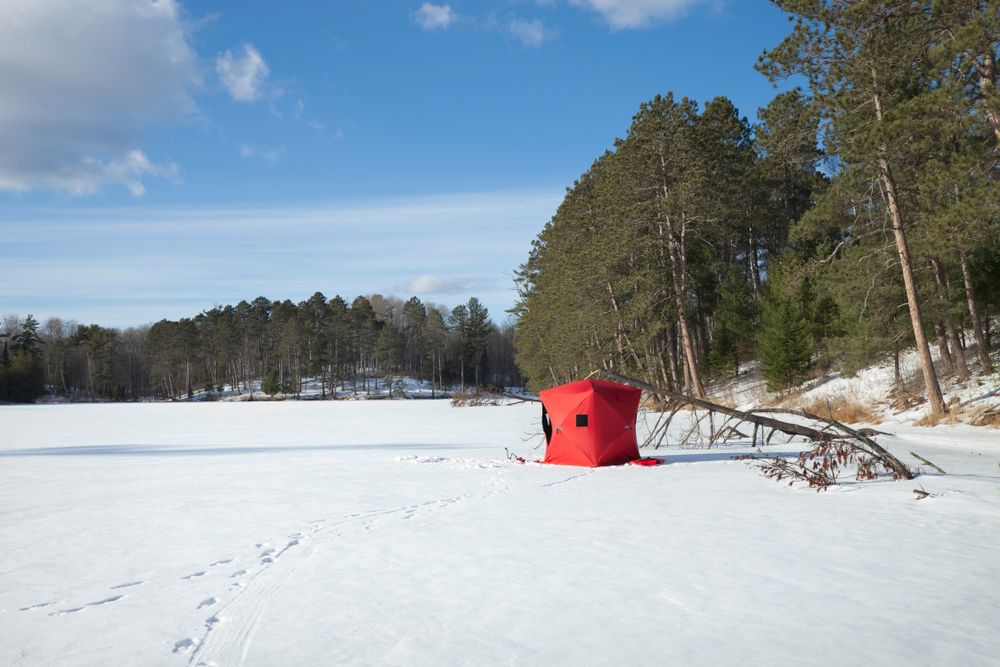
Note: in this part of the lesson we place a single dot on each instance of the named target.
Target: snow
(313, 388)
(873, 387)
(397, 532)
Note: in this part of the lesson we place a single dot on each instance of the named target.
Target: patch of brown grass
(955, 415)
(844, 410)
(930, 419)
(987, 417)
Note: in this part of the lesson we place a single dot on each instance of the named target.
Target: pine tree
(862, 58)
(478, 328)
(784, 342)
(270, 384)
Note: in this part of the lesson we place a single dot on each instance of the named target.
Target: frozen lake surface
(318, 533)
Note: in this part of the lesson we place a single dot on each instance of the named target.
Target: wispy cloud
(434, 17)
(267, 153)
(147, 263)
(621, 14)
(81, 84)
(530, 32)
(243, 74)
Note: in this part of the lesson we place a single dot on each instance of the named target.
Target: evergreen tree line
(855, 218)
(363, 345)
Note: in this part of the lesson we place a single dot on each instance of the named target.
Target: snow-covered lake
(319, 533)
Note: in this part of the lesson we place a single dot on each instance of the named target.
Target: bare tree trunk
(754, 266)
(902, 247)
(897, 375)
(621, 328)
(958, 360)
(987, 82)
(977, 324)
(672, 357)
(677, 276)
(942, 343)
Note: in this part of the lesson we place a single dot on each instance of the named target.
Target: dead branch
(926, 462)
(836, 443)
(520, 399)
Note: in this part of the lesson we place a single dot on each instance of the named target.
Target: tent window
(581, 420)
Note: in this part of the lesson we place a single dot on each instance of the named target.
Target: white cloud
(268, 153)
(80, 83)
(434, 17)
(636, 13)
(243, 76)
(431, 284)
(530, 32)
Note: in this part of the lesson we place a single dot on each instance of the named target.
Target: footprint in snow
(128, 584)
(37, 606)
(98, 603)
(200, 573)
(207, 602)
(185, 645)
(237, 573)
(221, 562)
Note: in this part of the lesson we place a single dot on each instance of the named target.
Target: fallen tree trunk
(833, 431)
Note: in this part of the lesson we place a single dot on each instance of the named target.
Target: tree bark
(977, 324)
(677, 276)
(987, 81)
(958, 359)
(902, 247)
(942, 343)
(754, 266)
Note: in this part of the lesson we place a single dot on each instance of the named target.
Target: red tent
(590, 423)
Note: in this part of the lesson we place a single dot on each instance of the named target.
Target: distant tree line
(371, 340)
(856, 218)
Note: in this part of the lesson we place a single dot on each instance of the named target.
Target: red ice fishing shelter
(590, 423)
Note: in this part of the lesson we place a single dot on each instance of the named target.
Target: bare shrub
(471, 399)
(824, 464)
(844, 410)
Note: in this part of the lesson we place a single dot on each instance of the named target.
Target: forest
(858, 216)
(278, 342)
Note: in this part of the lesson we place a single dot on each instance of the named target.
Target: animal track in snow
(207, 602)
(98, 603)
(200, 573)
(128, 584)
(221, 562)
(237, 573)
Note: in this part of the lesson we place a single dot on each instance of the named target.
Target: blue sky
(166, 156)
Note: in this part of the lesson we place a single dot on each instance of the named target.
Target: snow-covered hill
(872, 393)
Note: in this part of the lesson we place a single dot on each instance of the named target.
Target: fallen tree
(834, 445)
